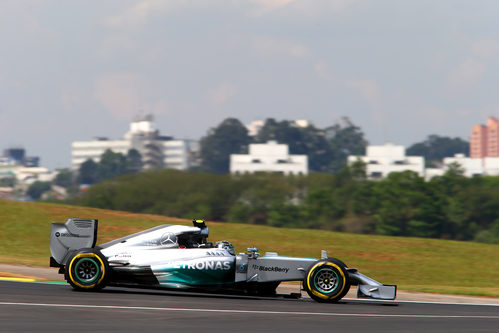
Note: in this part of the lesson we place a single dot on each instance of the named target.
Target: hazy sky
(401, 70)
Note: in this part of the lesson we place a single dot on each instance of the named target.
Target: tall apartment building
(484, 139)
(157, 151)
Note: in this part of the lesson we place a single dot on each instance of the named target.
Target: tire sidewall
(84, 255)
(343, 283)
(347, 282)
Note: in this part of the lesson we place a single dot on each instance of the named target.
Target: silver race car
(178, 256)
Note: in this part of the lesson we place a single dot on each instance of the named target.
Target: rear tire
(327, 281)
(87, 270)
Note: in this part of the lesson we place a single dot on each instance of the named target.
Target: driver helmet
(226, 245)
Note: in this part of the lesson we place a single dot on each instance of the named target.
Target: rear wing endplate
(70, 236)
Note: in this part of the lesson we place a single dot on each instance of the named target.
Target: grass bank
(414, 264)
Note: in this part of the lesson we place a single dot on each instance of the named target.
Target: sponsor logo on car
(201, 265)
(168, 238)
(67, 234)
(123, 255)
(270, 269)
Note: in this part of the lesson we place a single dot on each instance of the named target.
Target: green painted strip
(52, 282)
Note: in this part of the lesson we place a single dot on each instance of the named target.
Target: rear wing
(70, 236)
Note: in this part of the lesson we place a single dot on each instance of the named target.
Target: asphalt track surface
(43, 307)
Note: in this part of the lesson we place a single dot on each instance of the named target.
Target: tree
(134, 161)
(111, 165)
(87, 174)
(435, 148)
(308, 141)
(64, 178)
(8, 181)
(36, 189)
(472, 210)
(257, 194)
(448, 188)
(285, 215)
(406, 206)
(489, 236)
(345, 139)
(324, 208)
(450, 206)
(230, 137)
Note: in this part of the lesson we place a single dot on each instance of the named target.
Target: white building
(256, 125)
(269, 157)
(472, 166)
(9, 170)
(382, 160)
(31, 174)
(156, 150)
(433, 172)
(26, 175)
(491, 166)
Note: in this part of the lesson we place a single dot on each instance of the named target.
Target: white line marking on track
(294, 313)
(416, 302)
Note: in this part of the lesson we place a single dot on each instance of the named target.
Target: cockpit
(171, 237)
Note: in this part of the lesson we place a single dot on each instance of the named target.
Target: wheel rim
(87, 270)
(326, 280)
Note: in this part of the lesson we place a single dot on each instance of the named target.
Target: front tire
(327, 281)
(87, 270)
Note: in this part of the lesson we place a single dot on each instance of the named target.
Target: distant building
(472, 166)
(382, 160)
(484, 140)
(491, 166)
(9, 170)
(433, 172)
(30, 175)
(17, 156)
(31, 161)
(256, 125)
(7, 193)
(26, 175)
(302, 123)
(269, 157)
(157, 151)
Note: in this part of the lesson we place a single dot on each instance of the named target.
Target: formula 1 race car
(178, 256)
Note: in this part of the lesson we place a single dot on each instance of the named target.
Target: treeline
(403, 204)
(111, 165)
(327, 148)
